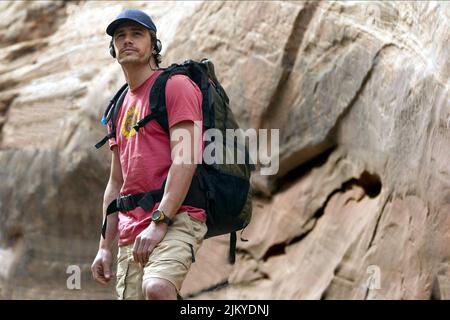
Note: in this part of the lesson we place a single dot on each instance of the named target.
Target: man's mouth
(128, 50)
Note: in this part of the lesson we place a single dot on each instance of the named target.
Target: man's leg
(159, 289)
(171, 259)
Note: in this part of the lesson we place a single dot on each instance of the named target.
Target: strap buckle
(126, 203)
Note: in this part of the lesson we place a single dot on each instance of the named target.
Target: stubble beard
(131, 61)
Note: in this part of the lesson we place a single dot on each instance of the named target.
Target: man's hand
(101, 267)
(147, 240)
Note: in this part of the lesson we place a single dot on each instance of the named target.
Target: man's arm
(112, 192)
(102, 262)
(177, 185)
(182, 169)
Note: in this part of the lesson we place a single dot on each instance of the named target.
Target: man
(155, 254)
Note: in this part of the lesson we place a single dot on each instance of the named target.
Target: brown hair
(155, 52)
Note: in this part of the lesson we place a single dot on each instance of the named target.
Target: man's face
(132, 44)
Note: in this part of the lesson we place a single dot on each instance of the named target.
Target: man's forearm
(112, 191)
(177, 185)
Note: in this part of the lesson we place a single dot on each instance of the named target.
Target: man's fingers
(138, 250)
(106, 271)
(93, 271)
(142, 251)
(148, 252)
(135, 248)
(101, 280)
(137, 253)
(97, 273)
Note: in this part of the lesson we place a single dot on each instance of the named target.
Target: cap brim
(115, 24)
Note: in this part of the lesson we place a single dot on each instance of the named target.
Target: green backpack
(222, 189)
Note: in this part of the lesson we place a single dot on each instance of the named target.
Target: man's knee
(158, 289)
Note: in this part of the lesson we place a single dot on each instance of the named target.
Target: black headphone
(157, 49)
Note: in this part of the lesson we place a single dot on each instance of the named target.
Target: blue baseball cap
(134, 15)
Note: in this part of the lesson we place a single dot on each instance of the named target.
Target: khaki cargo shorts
(170, 260)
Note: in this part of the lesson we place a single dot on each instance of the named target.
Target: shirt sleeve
(183, 100)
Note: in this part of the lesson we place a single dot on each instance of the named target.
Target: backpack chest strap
(144, 121)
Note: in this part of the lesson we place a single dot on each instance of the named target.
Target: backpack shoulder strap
(111, 113)
(117, 107)
(157, 95)
(108, 112)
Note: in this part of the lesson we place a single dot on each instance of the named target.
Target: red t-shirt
(145, 157)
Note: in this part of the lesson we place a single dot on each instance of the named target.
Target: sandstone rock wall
(360, 92)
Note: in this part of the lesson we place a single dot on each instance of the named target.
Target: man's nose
(127, 40)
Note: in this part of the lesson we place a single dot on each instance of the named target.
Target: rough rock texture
(360, 92)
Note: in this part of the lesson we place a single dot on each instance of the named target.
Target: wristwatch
(159, 216)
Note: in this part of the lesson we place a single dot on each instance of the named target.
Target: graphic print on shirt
(131, 117)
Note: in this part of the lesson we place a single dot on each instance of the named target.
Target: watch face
(156, 215)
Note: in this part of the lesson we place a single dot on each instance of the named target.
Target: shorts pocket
(199, 230)
(173, 249)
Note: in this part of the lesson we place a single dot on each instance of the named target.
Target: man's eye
(138, 33)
